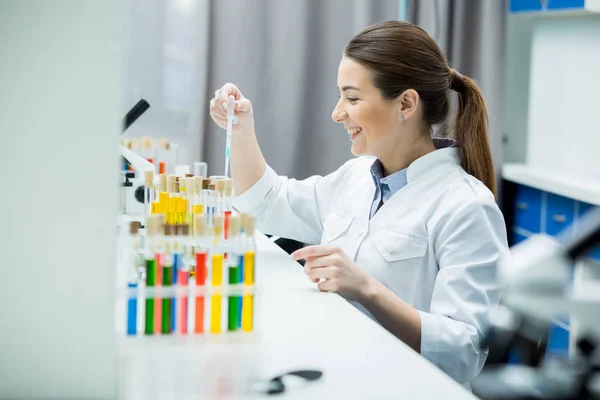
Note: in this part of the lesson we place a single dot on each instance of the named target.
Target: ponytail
(470, 129)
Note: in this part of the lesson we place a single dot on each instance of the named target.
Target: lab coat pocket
(396, 245)
(403, 258)
(335, 226)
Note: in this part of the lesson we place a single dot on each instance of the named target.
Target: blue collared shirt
(385, 187)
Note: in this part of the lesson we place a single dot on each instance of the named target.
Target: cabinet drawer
(560, 213)
(525, 5)
(565, 4)
(583, 209)
(558, 341)
(528, 205)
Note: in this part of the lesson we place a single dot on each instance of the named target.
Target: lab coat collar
(447, 153)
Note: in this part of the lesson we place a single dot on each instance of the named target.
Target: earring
(401, 119)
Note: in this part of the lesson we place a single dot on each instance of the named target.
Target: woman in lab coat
(409, 231)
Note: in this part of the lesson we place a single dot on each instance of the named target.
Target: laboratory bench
(296, 327)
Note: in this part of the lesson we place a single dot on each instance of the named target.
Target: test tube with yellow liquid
(216, 300)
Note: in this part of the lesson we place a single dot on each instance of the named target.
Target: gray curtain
(472, 34)
(284, 55)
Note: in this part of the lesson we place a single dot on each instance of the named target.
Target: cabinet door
(565, 4)
(583, 209)
(558, 341)
(560, 213)
(528, 206)
(525, 5)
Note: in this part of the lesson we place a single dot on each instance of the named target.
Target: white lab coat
(435, 243)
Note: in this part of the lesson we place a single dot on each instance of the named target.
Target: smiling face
(370, 120)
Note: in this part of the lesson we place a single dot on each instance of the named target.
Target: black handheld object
(135, 113)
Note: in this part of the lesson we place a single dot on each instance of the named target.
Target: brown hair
(403, 56)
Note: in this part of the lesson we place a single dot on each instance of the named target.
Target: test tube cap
(248, 223)
(200, 169)
(171, 183)
(133, 144)
(205, 183)
(211, 186)
(234, 225)
(229, 187)
(201, 225)
(198, 183)
(220, 185)
(184, 230)
(169, 230)
(176, 186)
(153, 223)
(150, 143)
(164, 144)
(134, 227)
(162, 183)
(160, 218)
(218, 222)
(190, 186)
(149, 178)
(150, 221)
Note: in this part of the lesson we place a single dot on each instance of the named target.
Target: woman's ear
(407, 104)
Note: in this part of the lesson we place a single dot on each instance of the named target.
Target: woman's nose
(338, 115)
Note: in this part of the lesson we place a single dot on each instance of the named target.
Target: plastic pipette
(230, 110)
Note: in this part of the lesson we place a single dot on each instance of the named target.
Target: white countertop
(296, 327)
(574, 186)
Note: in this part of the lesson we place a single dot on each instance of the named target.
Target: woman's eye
(352, 100)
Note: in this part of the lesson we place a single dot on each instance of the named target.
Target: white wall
(564, 107)
(516, 100)
(60, 116)
(166, 62)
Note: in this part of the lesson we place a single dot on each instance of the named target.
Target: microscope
(537, 288)
(132, 183)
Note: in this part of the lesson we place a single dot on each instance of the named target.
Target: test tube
(148, 193)
(190, 191)
(216, 300)
(170, 202)
(132, 283)
(212, 203)
(206, 199)
(242, 240)
(166, 301)
(200, 169)
(159, 259)
(227, 203)
(163, 148)
(151, 231)
(198, 206)
(182, 202)
(249, 276)
(202, 244)
(182, 280)
(220, 189)
(234, 301)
